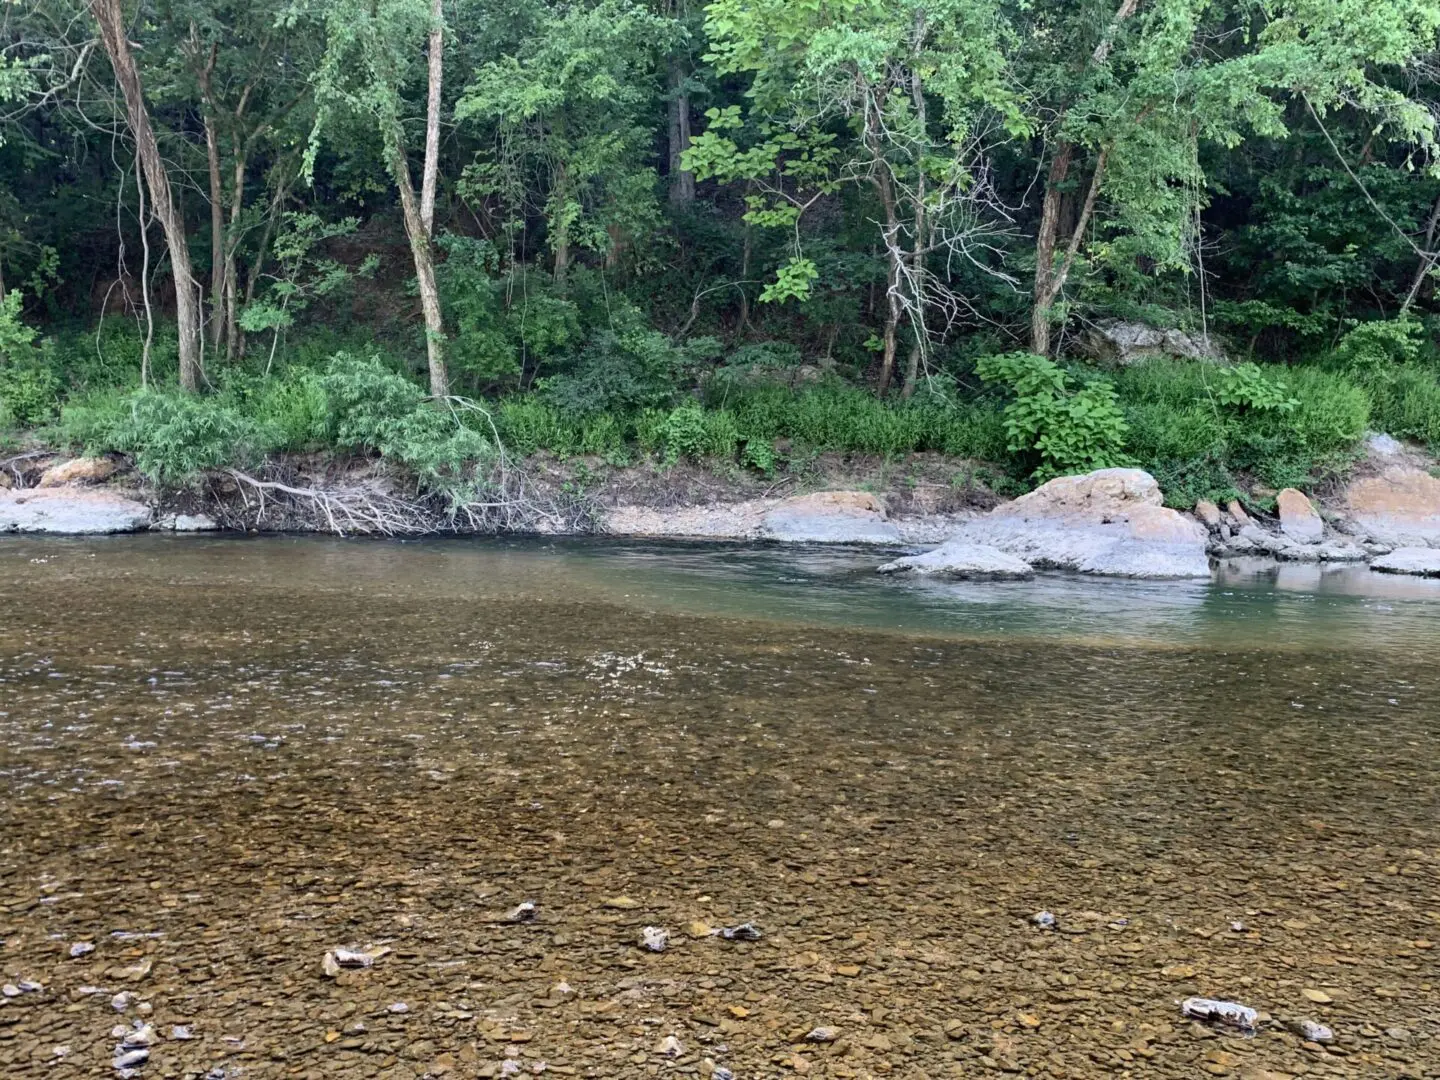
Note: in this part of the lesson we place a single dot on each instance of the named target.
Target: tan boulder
(5, 481)
(1400, 504)
(1099, 496)
(1298, 517)
(1208, 513)
(82, 470)
(1236, 511)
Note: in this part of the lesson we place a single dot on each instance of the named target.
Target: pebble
(122, 1001)
(1044, 920)
(128, 1059)
(399, 1007)
(181, 1032)
(822, 1035)
(10, 990)
(1310, 1031)
(654, 938)
(670, 1047)
(1319, 997)
(81, 948)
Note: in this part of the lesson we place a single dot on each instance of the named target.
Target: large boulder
(1109, 522)
(74, 511)
(955, 558)
(1423, 562)
(82, 470)
(831, 517)
(1116, 341)
(1299, 519)
(1399, 505)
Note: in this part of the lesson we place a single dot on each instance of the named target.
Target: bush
(1068, 429)
(171, 436)
(1406, 404)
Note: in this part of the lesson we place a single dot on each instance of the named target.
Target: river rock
(955, 558)
(72, 511)
(1298, 518)
(1422, 562)
(1109, 522)
(835, 517)
(1399, 506)
(1209, 514)
(1117, 341)
(82, 470)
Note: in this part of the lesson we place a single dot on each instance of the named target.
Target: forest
(1199, 236)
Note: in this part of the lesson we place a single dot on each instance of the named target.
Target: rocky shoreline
(1108, 523)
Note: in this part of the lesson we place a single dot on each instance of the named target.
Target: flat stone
(71, 511)
(1298, 518)
(832, 517)
(195, 523)
(954, 558)
(82, 470)
(1422, 562)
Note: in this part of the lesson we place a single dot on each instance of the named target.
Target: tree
(919, 84)
(110, 20)
(366, 70)
(568, 111)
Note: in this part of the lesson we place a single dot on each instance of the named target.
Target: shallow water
(221, 758)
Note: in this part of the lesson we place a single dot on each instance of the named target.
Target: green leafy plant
(1245, 386)
(1069, 429)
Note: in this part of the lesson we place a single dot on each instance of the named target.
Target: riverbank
(1110, 523)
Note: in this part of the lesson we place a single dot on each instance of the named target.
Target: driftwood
(505, 499)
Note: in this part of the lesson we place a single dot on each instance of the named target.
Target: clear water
(221, 758)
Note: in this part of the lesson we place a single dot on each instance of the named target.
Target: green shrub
(292, 411)
(1069, 429)
(374, 408)
(171, 436)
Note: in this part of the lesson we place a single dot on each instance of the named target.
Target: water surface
(221, 758)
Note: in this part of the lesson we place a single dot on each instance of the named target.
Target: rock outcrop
(830, 517)
(72, 511)
(1422, 562)
(1398, 506)
(83, 470)
(1110, 522)
(1116, 341)
(957, 559)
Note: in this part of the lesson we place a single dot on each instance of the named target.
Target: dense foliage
(749, 230)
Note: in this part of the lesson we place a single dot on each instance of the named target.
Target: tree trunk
(1045, 250)
(424, 268)
(432, 119)
(682, 181)
(1427, 263)
(217, 233)
(1050, 279)
(111, 22)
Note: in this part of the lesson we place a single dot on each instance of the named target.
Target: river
(222, 758)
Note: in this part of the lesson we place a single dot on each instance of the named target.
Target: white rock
(70, 511)
(1422, 562)
(955, 558)
(1229, 1013)
(195, 523)
(654, 938)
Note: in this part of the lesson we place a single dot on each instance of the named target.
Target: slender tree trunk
(111, 22)
(232, 271)
(424, 269)
(217, 233)
(561, 240)
(1045, 242)
(893, 268)
(682, 181)
(1427, 263)
(432, 118)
